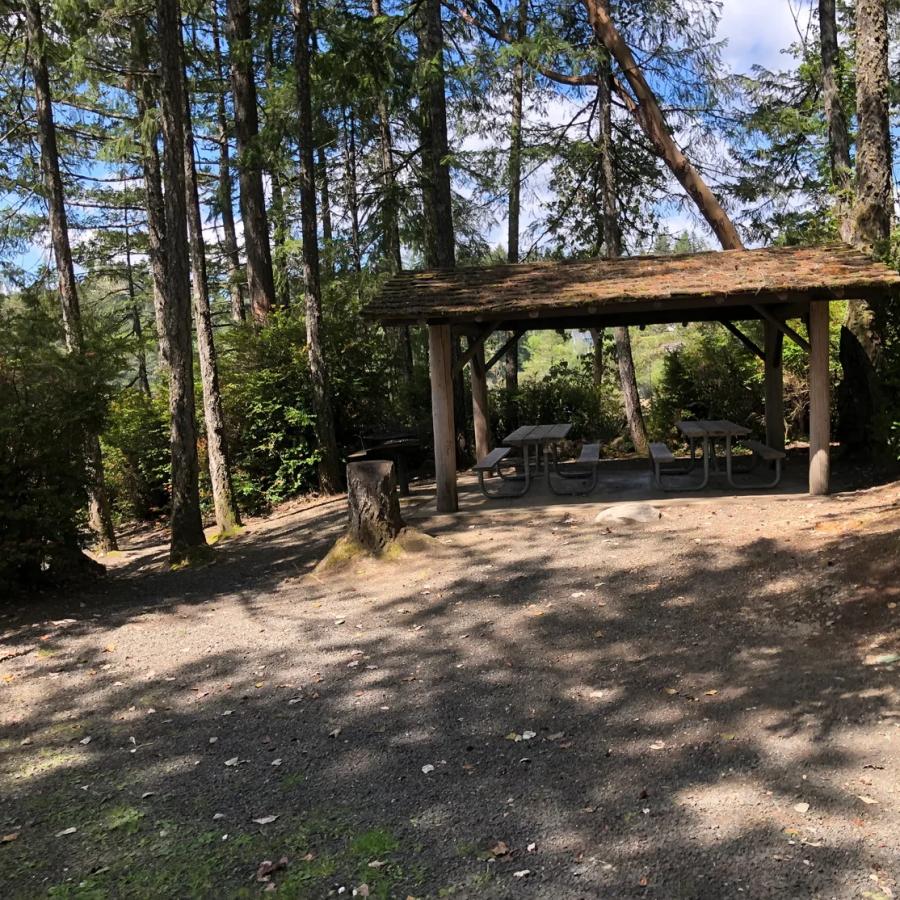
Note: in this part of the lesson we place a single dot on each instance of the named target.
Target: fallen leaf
(9, 838)
(376, 864)
(512, 736)
(557, 736)
(147, 794)
(309, 857)
(85, 741)
(361, 891)
(531, 847)
(528, 735)
(801, 807)
(658, 745)
(866, 799)
(267, 867)
(671, 691)
(275, 762)
(499, 849)
(711, 693)
(66, 831)
(265, 820)
(231, 762)
(521, 873)
(334, 733)
(426, 769)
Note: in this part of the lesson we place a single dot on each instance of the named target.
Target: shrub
(49, 401)
(136, 452)
(710, 376)
(565, 394)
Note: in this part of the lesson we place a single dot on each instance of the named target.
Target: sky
(756, 32)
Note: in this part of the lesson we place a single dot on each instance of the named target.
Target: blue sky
(756, 31)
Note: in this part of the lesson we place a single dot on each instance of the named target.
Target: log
(373, 502)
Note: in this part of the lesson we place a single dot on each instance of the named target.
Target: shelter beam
(750, 345)
(513, 339)
(783, 327)
(475, 345)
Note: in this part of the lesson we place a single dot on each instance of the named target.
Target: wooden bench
(490, 464)
(765, 453)
(589, 459)
(661, 455)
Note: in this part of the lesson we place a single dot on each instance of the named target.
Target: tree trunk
(279, 237)
(373, 503)
(649, 116)
(260, 278)
(597, 357)
(227, 516)
(136, 327)
(100, 516)
(835, 115)
(226, 205)
(436, 195)
(389, 210)
(327, 229)
(329, 471)
(873, 211)
(514, 178)
(187, 526)
(352, 188)
(148, 137)
(612, 241)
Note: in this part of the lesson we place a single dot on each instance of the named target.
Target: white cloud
(758, 30)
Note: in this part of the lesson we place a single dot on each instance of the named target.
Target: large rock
(628, 514)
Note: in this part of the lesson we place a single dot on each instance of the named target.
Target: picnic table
(396, 446)
(538, 437)
(708, 431)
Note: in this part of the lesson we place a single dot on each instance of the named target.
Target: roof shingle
(632, 284)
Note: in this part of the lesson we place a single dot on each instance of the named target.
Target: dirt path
(706, 706)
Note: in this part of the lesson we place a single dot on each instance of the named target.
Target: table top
(537, 434)
(711, 428)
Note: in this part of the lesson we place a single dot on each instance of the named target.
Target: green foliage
(266, 394)
(710, 376)
(565, 394)
(49, 401)
(136, 453)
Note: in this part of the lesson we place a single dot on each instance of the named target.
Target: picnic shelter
(774, 284)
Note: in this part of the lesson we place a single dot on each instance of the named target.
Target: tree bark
(260, 277)
(352, 188)
(436, 195)
(327, 228)
(835, 115)
(514, 178)
(389, 210)
(148, 137)
(612, 241)
(647, 113)
(137, 328)
(329, 471)
(873, 212)
(186, 523)
(227, 515)
(98, 502)
(226, 204)
(597, 357)
(373, 504)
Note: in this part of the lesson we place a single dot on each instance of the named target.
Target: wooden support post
(481, 414)
(774, 388)
(819, 398)
(441, 368)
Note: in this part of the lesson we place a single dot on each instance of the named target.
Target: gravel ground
(706, 706)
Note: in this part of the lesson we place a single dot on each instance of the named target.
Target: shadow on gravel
(660, 698)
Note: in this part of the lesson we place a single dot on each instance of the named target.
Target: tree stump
(375, 518)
